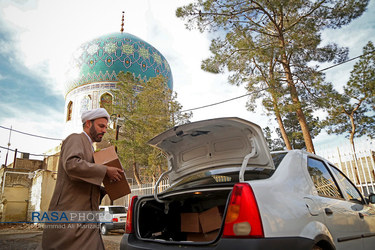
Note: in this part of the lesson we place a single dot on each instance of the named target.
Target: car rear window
(117, 210)
(221, 176)
(277, 158)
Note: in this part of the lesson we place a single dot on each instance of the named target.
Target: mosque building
(96, 64)
(92, 77)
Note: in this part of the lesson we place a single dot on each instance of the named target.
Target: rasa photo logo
(70, 217)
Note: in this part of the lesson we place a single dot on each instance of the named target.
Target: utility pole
(15, 159)
(116, 125)
(117, 130)
(6, 156)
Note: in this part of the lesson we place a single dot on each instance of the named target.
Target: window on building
(322, 179)
(69, 111)
(106, 102)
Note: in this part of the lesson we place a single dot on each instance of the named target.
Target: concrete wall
(41, 191)
(27, 164)
(15, 203)
(24, 189)
(48, 186)
(15, 177)
(14, 196)
(52, 162)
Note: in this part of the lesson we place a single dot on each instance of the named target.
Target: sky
(38, 38)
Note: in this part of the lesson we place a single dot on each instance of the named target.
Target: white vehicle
(117, 218)
(228, 192)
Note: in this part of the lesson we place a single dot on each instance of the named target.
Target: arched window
(106, 102)
(69, 111)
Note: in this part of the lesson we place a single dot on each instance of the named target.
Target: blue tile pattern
(102, 59)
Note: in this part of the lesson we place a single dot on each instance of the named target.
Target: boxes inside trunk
(202, 226)
(188, 217)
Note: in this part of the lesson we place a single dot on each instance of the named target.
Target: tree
(293, 129)
(158, 110)
(284, 32)
(273, 144)
(148, 108)
(353, 111)
(264, 74)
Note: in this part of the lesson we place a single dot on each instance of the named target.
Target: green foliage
(353, 111)
(272, 45)
(273, 144)
(147, 108)
(293, 129)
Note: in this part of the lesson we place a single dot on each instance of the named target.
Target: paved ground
(28, 237)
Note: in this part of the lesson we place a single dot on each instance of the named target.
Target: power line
(201, 107)
(228, 100)
(238, 97)
(13, 150)
(42, 137)
(337, 64)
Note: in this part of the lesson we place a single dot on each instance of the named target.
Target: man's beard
(94, 135)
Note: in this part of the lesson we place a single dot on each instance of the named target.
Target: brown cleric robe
(77, 189)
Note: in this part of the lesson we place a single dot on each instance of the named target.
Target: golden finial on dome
(122, 22)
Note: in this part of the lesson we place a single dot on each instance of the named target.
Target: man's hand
(114, 174)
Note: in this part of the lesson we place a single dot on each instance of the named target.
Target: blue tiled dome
(102, 59)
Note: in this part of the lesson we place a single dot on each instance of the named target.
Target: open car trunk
(194, 209)
(194, 216)
(205, 160)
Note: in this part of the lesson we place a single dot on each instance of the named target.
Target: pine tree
(284, 33)
(353, 111)
(273, 144)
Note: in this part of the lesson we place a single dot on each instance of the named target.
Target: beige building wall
(15, 203)
(41, 191)
(52, 161)
(17, 194)
(27, 164)
(48, 186)
(14, 194)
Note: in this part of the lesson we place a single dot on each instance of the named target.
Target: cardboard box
(109, 157)
(205, 222)
(210, 220)
(190, 222)
(199, 237)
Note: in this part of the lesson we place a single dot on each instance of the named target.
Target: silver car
(227, 191)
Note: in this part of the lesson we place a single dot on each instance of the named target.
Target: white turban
(94, 114)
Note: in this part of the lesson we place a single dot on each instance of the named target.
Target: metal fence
(144, 189)
(359, 167)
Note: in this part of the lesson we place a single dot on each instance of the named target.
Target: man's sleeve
(76, 167)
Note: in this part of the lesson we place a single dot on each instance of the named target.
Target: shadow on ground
(29, 236)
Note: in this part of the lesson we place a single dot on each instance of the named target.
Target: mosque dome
(102, 59)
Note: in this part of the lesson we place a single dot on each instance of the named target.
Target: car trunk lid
(213, 143)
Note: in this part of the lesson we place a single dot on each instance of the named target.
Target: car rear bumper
(112, 226)
(130, 242)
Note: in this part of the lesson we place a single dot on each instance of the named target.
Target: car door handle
(361, 215)
(328, 211)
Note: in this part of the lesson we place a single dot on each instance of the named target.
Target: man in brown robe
(78, 186)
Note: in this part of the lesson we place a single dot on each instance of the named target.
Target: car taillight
(243, 218)
(129, 217)
(114, 220)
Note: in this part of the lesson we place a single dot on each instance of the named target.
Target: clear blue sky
(37, 38)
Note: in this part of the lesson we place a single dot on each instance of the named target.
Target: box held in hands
(109, 157)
